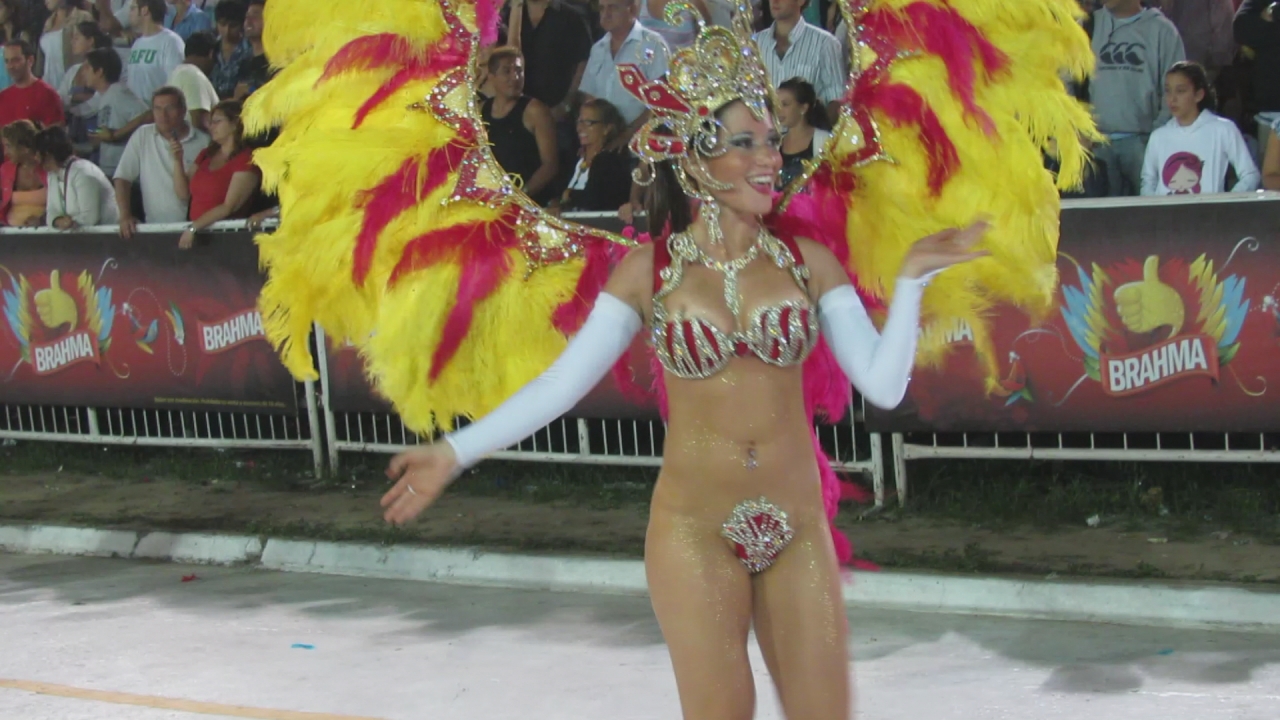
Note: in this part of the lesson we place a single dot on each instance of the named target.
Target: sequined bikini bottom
(758, 531)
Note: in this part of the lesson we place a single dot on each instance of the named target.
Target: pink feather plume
(487, 19)
(902, 105)
(481, 275)
(397, 193)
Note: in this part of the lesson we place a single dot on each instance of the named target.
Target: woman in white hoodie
(80, 195)
(1190, 154)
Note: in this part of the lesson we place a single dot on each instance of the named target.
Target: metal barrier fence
(1256, 447)
(1115, 447)
(580, 440)
(586, 441)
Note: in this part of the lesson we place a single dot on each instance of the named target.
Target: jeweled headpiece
(721, 66)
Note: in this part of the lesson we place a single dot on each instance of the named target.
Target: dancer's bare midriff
(737, 438)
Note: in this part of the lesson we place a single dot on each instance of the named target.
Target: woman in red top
(224, 178)
(22, 177)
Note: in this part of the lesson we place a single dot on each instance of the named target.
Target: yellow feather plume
(1000, 171)
(327, 169)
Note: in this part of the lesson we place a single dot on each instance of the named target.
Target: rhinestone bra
(692, 348)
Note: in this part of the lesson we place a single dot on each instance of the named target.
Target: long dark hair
(667, 202)
(230, 109)
(804, 94)
(90, 31)
(15, 20)
(53, 142)
(1194, 72)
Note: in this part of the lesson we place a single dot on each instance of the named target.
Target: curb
(1182, 605)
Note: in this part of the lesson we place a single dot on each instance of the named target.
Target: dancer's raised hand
(421, 475)
(943, 249)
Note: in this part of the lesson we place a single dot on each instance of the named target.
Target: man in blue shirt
(187, 19)
(233, 48)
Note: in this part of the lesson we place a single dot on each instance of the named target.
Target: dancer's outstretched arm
(421, 474)
(879, 363)
(606, 335)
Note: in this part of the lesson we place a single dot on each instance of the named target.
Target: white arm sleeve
(604, 337)
(879, 366)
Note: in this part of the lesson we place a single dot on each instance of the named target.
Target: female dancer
(460, 291)
(737, 532)
(737, 431)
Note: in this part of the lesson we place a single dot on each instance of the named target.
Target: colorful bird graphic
(175, 321)
(1013, 387)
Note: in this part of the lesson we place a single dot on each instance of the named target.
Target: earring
(709, 211)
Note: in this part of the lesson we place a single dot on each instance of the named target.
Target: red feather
(904, 106)
(389, 88)
(457, 243)
(400, 191)
(480, 249)
(944, 33)
(420, 69)
(600, 256)
(482, 272)
(369, 52)
(387, 50)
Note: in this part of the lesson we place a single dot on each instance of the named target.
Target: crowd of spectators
(1184, 91)
(148, 93)
(128, 111)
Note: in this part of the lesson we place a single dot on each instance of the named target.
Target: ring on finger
(410, 489)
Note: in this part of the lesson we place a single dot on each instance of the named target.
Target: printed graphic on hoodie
(1182, 173)
(1129, 56)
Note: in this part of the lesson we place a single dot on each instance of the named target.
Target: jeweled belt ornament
(758, 530)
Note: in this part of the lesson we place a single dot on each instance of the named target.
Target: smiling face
(592, 130)
(253, 23)
(750, 163)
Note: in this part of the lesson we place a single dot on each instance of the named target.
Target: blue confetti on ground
(1166, 651)
(304, 646)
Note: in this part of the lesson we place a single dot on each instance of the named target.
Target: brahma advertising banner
(350, 391)
(1166, 320)
(94, 319)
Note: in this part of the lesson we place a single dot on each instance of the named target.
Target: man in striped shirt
(793, 48)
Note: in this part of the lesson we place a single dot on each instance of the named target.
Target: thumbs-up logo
(1147, 304)
(55, 307)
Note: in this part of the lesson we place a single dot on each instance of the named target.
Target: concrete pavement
(111, 639)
